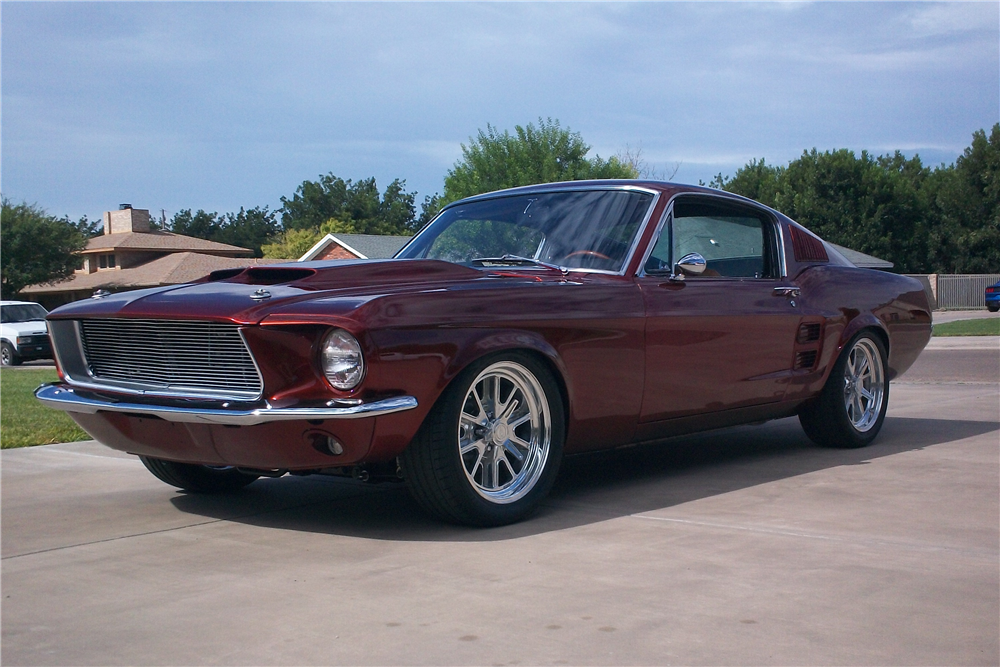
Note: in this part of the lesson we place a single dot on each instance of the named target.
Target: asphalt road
(745, 546)
(957, 359)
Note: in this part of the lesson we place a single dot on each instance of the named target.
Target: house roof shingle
(175, 268)
(160, 241)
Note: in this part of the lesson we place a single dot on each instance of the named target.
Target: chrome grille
(183, 357)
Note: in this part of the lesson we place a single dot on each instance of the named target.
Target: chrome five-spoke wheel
(851, 408)
(489, 450)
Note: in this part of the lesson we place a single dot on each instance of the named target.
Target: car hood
(247, 296)
(32, 328)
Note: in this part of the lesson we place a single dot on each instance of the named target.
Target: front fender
(490, 342)
(423, 362)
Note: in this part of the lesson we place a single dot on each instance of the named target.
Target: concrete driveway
(746, 546)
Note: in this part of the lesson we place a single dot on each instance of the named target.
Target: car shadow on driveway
(590, 488)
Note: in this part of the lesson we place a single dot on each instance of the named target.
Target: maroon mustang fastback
(516, 327)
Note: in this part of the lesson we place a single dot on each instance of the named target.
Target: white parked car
(24, 332)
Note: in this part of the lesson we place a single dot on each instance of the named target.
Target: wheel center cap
(499, 433)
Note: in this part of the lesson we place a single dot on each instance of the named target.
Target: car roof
(19, 303)
(562, 186)
(664, 187)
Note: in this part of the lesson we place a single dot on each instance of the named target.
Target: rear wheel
(489, 450)
(993, 307)
(8, 356)
(850, 410)
(197, 478)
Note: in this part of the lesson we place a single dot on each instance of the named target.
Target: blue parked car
(993, 297)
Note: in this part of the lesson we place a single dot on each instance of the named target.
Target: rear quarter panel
(849, 299)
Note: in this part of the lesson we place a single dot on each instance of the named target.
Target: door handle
(790, 292)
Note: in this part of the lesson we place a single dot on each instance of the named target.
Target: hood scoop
(261, 275)
(347, 274)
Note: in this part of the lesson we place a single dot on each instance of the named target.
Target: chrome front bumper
(63, 397)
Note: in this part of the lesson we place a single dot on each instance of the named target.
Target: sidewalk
(964, 343)
(941, 316)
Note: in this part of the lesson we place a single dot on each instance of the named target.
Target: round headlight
(343, 363)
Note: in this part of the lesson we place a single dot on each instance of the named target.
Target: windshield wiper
(516, 260)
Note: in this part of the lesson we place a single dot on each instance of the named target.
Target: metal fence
(961, 292)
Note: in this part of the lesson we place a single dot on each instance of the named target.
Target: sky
(217, 106)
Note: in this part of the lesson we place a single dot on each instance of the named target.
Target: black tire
(197, 478)
(464, 468)
(8, 355)
(993, 307)
(851, 408)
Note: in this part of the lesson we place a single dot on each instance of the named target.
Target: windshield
(22, 312)
(578, 229)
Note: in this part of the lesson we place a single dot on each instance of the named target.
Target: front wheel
(197, 478)
(8, 356)
(489, 450)
(851, 408)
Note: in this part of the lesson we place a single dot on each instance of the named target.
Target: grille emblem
(260, 295)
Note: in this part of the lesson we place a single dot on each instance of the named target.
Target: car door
(723, 339)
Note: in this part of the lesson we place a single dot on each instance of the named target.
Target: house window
(106, 261)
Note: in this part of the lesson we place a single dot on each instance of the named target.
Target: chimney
(126, 219)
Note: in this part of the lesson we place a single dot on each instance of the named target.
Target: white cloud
(949, 18)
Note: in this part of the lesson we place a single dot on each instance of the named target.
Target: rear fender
(862, 321)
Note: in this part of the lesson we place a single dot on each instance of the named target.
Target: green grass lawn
(987, 327)
(23, 420)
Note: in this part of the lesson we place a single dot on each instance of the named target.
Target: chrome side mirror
(691, 264)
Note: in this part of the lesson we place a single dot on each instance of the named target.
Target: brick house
(355, 246)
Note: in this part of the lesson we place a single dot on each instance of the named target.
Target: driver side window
(732, 239)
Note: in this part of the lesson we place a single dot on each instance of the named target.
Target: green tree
(757, 180)
(432, 204)
(942, 220)
(200, 225)
(855, 202)
(542, 154)
(964, 200)
(874, 205)
(86, 227)
(291, 244)
(36, 247)
(250, 228)
(358, 204)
